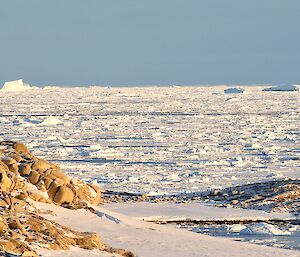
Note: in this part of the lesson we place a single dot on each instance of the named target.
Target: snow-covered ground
(147, 239)
(159, 140)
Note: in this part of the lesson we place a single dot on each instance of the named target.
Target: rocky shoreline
(25, 178)
(276, 195)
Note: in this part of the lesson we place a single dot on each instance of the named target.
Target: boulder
(64, 195)
(16, 156)
(57, 173)
(54, 187)
(25, 169)
(20, 148)
(14, 168)
(3, 166)
(34, 177)
(5, 181)
(41, 165)
(8, 160)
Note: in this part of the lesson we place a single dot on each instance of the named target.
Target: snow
(16, 86)
(234, 90)
(283, 88)
(189, 211)
(148, 239)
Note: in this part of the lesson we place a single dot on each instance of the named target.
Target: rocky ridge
(275, 195)
(24, 179)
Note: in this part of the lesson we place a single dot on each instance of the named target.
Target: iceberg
(283, 88)
(16, 86)
(234, 90)
(51, 121)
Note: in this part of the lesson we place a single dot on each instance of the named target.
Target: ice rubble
(16, 86)
(263, 229)
(234, 90)
(282, 88)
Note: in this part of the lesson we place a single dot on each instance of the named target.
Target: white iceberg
(234, 90)
(16, 86)
(283, 88)
(51, 121)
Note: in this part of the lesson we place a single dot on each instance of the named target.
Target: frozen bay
(159, 140)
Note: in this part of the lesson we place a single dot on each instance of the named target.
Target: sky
(157, 42)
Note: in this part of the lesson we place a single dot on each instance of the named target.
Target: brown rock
(25, 169)
(47, 182)
(64, 195)
(16, 156)
(29, 253)
(3, 166)
(5, 181)
(14, 168)
(41, 165)
(90, 241)
(54, 187)
(28, 156)
(96, 200)
(34, 177)
(20, 148)
(8, 160)
(3, 226)
(59, 174)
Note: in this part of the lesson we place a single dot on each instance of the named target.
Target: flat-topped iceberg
(234, 90)
(282, 88)
(16, 86)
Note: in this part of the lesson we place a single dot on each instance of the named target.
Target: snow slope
(148, 239)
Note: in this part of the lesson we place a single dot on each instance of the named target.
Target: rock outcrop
(53, 185)
(25, 178)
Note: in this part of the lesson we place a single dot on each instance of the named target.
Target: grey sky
(157, 42)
